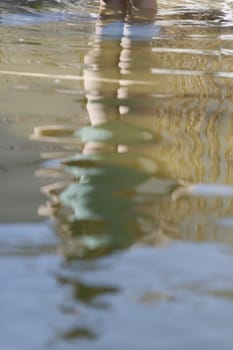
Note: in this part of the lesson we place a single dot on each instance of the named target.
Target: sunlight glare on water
(116, 172)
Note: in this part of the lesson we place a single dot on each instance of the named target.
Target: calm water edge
(116, 177)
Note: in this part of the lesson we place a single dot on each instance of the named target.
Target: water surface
(116, 177)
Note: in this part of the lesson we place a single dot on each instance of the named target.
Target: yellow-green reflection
(159, 104)
(150, 162)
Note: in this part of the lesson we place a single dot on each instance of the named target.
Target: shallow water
(116, 218)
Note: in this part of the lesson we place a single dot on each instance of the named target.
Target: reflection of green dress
(102, 196)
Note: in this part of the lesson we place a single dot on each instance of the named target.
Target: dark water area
(116, 211)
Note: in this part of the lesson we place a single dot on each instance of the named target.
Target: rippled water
(116, 218)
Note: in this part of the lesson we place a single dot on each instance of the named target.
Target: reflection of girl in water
(108, 211)
(106, 192)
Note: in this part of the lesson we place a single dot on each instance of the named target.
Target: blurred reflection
(139, 173)
(154, 164)
(108, 210)
(158, 106)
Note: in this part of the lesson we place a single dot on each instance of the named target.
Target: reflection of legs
(137, 101)
(101, 70)
(101, 73)
(100, 105)
(135, 65)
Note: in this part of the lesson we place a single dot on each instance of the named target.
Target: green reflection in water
(78, 333)
(158, 106)
(87, 293)
(117, 171)
(103, 197)
(117, 132)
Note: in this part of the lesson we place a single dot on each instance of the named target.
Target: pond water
(116, 169)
